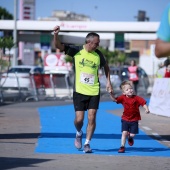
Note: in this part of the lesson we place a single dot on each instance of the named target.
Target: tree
(4, 14)
(114, 57)
(8, 43)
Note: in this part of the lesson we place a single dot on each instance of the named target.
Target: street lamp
(14, 59)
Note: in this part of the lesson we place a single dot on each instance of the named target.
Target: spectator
(162, 46)
(133, 74)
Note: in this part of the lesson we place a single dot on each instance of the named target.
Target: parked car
(119, 74)
(18, 78)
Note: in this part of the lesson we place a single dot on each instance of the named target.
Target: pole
(14, 61)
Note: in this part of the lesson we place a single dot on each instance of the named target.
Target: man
(162, 48)
(86, 91)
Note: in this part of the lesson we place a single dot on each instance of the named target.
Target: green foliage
(68, 59)
(2, 45)
(3, 63)
(114, 57)
(4, 14)
(6, 42)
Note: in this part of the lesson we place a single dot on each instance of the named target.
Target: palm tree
(8, 43)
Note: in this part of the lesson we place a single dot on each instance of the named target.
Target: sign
(160, 97)
(28, 54)
(51, 60)
(45, 41)
(27, 9)
(56, 61)
(119, 41)
(27, 12)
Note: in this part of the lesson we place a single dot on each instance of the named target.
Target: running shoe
(121, 149)
(130, 140)
(87, 149)
(78, 141)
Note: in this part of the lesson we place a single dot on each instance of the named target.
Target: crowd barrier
(50, 85)
(38, 87)
(14, 95)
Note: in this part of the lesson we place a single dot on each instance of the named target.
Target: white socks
(79, 133)
(87, 142)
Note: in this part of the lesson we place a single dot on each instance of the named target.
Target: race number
(86, 78)
(132, 76)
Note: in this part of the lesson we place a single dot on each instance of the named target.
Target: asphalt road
(20, 128)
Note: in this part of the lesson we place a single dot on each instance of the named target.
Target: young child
(131, 113)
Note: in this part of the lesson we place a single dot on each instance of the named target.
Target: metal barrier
(51, 85)
(16, 93)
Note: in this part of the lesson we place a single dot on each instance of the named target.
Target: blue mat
(58, 134)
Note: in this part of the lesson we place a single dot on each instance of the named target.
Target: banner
(160, 97)
(56, 62)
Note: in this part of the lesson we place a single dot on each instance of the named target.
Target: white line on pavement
(156, 135)
(146, 128)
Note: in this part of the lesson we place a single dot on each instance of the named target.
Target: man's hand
(56, 29)
(109, 88)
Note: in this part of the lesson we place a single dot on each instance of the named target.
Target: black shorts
(83, 102)
(131, 127)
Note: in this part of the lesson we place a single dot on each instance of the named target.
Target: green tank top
(86, 72)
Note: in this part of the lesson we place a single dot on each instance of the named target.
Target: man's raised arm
(57, 42)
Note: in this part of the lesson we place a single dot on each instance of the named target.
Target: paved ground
(20, 128)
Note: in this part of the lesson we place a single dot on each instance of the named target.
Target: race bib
(133, 76)
(86, 78)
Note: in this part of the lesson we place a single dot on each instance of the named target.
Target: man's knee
(79, 116)
(92, 116)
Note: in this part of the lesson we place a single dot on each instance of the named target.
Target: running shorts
(131, 127)
(83, 102)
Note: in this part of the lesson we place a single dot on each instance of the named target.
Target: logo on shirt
(88, 63)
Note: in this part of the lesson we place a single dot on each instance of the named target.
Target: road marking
(164, 140)
(156, 135)
(146, 128)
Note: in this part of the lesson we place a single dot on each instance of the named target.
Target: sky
(99, 10)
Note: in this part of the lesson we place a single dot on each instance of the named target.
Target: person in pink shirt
(133, 74)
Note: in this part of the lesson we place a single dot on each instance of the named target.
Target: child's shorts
(131, 127)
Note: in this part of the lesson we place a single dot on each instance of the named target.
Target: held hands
(109, 88)
(112, 96)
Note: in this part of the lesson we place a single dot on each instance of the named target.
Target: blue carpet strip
(58, 134)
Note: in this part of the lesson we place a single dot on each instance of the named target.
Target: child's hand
(147, 111)
(112, 96)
